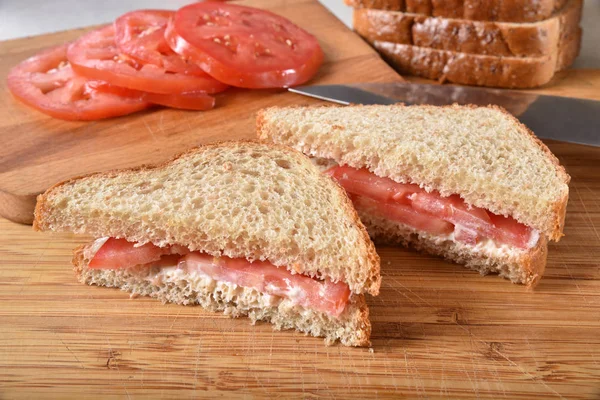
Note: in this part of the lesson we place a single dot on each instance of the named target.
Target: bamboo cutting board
(439, 330)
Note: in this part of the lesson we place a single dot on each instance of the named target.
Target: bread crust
(554, 231)
(474, 37)
(559, 208)
(355, 331)
(373, 282)
(483, 10)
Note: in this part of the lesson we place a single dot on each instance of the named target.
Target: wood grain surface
(39, 151)
(439, 330)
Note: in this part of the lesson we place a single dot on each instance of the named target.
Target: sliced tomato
(47, 83)
(365, 183)
(198, 101)
(430, 212)
(243, 46)
(405, 214)
(508, 230)
(453, 209)
(95, 56)
(263, 276)
(120, 253)
(141, 34)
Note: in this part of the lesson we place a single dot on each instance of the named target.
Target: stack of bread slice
(498, 43)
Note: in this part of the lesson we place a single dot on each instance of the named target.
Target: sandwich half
(240, 227)
(470, 184)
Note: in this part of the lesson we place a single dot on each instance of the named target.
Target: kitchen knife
(549, 117)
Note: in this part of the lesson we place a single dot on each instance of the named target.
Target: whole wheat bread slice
(240, 199)
(483, 154)
(479, 10)
(351, 328)
(506, 39)
(479, 70)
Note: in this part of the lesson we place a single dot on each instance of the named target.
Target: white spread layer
(200, 280)
(485, 246)
(230, 291)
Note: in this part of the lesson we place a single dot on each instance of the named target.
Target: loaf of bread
(472, 42)
(500, 39)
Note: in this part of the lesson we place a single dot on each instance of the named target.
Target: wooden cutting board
(439, 330)
(38, 151)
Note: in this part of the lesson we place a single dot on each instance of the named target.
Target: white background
(20, 18)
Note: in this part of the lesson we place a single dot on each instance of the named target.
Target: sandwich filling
(448, 217)
(319, 295)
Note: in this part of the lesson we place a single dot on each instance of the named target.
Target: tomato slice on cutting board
(198, 101)
(96, 56)
(141, 34)
(47, 83)
(243, 46)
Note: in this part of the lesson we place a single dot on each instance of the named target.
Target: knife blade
(549, 117)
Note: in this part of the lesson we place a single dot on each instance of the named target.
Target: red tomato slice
(430, 212)
(263, 276)
(364, 183)
(453, 209)
(198, 101)
(141, 35)
(243, 46)
(95, 56)
(47, 83)
(507, 230)
(406, 215)
(119, 253)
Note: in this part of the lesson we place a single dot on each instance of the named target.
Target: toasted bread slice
(239, 199)
(351, 328)
(483, 154)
